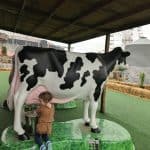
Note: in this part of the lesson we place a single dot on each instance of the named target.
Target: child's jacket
(45, 119)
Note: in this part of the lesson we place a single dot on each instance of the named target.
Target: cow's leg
(93, 124)
(19, 100)
(86, 113)
(95, 97)
(5, 105)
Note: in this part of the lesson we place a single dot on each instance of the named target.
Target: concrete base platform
(73, 135)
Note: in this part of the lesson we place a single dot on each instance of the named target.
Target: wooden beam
(85, 29)
(103, 97)
(93, 9)
(71, 34)
(12, 8)
(78, 37)
(131, 12)
(98, 26)
(117, 17)
(19, 15)
(58, 18)
(128, 25)
(49, 17)
(118, 29)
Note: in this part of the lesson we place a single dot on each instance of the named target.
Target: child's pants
(39, 138)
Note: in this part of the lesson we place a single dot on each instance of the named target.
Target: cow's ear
(118, 49)
(126, 54)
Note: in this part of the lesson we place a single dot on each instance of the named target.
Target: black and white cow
(65, 75)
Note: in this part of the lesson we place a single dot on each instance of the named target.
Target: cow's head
(122, 56)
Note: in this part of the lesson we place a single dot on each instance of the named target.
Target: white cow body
(74, 85)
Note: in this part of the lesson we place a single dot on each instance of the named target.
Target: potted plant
(142, 79)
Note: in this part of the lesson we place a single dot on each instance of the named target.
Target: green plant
(142, 79)
(122, 68)
(120, 71)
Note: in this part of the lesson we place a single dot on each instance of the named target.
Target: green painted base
(73, 135)
(68, 105)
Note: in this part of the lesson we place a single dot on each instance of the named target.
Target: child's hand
(34, 112)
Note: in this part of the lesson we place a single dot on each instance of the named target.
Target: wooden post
(102, 107)
(69, 46)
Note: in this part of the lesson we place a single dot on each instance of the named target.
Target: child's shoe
(49, 145)
(42, 147)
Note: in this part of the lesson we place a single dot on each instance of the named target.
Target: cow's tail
(14, 82)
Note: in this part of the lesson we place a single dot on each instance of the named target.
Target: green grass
(131, 112)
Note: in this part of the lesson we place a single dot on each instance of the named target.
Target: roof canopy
(72, 21)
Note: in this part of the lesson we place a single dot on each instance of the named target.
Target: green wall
(4, 85)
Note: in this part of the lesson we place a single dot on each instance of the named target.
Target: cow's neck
(110, 60)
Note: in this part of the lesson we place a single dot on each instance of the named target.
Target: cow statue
(64, 74)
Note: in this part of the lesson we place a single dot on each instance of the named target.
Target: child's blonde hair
(46, 96)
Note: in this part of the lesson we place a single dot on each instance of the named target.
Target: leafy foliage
(142, 79)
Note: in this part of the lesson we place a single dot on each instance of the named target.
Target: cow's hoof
(23, 137)
(5, 106)
(28, 129)
(96, 130)
(87, 123)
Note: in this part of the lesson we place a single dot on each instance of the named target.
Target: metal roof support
(69, 46)
(103, 96)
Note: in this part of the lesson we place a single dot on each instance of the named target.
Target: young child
(45, 118)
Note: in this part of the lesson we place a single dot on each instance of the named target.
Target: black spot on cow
(72, 75)
(91, 56)
(110, 58)
(99, 76)
(24, 72)
(32, 80)
(47, 58)
(86, 74)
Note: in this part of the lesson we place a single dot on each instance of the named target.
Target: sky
(98, 44)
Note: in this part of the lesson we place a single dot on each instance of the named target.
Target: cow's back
(63, 73)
